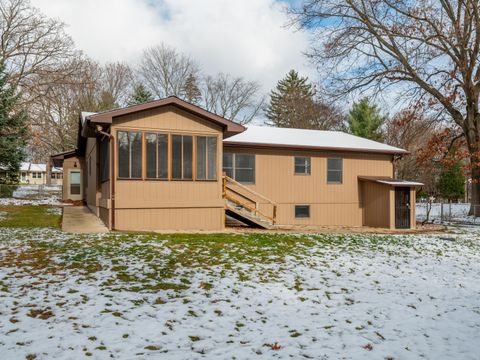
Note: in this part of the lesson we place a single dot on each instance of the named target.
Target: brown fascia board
(313, 148)
(230, 127)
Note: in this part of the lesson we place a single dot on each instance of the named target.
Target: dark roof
(106, 117)
(57, 159)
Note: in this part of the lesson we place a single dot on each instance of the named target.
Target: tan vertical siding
(377, 209)
(413, 215)
(69, 164)
(169, 205)
(330, 204)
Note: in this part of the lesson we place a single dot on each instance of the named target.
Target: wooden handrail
(256, 211)
(229, 179)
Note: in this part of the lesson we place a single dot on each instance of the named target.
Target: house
(36, 174)
(171, 165)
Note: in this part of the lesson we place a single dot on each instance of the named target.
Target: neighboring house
(160, 166)
(36, 174)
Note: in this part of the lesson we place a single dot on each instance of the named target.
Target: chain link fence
(30, 192)
(457, 213)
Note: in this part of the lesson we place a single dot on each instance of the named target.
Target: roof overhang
(58, 159)
(389, 181)
(242, 144)
(230, 128)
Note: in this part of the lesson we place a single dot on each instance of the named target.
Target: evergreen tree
(452, 182)
(140, 95)
(365, 120)
(190, 91)
(13, 127)
(292, 103)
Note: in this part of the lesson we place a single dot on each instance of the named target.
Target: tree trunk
(49, 172)
(475, 200)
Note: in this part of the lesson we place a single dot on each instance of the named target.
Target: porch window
(302, 211)
(130, 154)
(104, 160)
(206, 161)
(182, 157)
(302, 165)
(240, 167)
(157, 156)
(334, 171)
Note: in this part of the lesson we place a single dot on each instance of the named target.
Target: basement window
(302, 211)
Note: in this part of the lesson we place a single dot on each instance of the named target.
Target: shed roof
(265, 136)
(390, 181)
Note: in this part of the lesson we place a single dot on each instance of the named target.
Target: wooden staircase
(244, 204)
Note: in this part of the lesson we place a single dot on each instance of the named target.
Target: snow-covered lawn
(127, 296)
(19, 195)
(455, 212)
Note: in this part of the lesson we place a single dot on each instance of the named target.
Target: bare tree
(164, 70)
(411, 131)
(428, 49)
(32, 45)
(116, 80)
(54, 116)
(232, 97)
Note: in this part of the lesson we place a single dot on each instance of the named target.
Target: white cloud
(241, 37)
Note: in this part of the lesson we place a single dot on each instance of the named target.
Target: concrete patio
(79, 219)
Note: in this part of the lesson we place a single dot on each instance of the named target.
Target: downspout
(111, 138)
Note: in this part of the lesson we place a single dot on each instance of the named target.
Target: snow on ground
(458, 212)
(32, 195)
(125, 296)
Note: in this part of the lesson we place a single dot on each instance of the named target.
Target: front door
(402, 208)
(75, 185)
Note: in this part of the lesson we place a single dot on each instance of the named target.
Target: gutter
(111, 138)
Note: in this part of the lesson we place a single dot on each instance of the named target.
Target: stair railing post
(224, 187)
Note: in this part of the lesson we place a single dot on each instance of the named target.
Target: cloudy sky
(242, 37)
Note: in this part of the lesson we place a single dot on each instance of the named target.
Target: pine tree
(452, 182)
(292, 103)
(365, 120)
(190, 91)
(13, 127)
(140, 95)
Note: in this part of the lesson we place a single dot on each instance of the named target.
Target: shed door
(402, 208)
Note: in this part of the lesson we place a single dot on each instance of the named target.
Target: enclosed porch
(388, 202)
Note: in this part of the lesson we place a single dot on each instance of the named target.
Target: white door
(75, 185)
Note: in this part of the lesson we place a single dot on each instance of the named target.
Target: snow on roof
(390, 181)
(85, 114)
(288, 137)
(26, 166)
(400, 183)
(57, 170)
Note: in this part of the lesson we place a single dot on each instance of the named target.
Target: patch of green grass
(27, 216)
